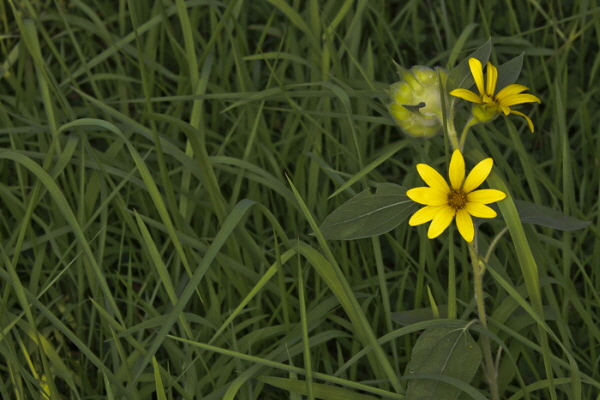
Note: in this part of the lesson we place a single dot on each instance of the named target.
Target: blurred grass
(152, 245)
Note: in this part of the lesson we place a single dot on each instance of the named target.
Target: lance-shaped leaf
(447, 352)
(509, 72)
(369, 213)
(460, 76)
(532, 213)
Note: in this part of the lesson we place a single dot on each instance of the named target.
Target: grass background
(164, 163)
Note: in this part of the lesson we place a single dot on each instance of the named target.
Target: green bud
(416, 101)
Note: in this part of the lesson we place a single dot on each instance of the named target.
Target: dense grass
(165, 163)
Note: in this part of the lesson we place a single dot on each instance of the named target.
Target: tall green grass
(164, 165)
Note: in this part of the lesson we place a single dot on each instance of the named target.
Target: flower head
(488, 103)
(415, 101)
(459, 200)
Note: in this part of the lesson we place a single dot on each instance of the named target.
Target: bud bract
(415, 101)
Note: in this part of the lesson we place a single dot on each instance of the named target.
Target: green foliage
(369, 213)
(509, 72)
(539, 215)
(165, 168)
(448, 352)
(460, 76)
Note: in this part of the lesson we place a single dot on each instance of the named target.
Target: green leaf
(369, 213)
(509, 72)
(540, 215)
(531, 213)
(460, 76)
(444, 351)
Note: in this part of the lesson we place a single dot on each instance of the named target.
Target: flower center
(457, 199)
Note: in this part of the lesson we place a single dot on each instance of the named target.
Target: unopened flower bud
(416, 100)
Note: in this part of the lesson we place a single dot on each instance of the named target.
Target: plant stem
(490, 369)
(451, 130)
(463, 136)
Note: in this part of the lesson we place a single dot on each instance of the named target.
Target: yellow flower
(490, 104)
(459, 200)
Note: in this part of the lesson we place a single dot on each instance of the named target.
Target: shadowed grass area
(164, 166)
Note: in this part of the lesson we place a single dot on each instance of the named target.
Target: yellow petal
(511, 89)
(423, 215)
(432, 177)
(477, 72)
(467, 95)
(515, 99)
(485, 196)
(428, 196)
(464, 222)
(529, 122)
(492, 78)
(440, 222)
(478, 175)
(480, 210)
(457, 170)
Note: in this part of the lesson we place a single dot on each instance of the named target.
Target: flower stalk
(490, 367)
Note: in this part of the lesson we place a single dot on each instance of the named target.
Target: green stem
(452, 135)
(490, 369)
(463, 135)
